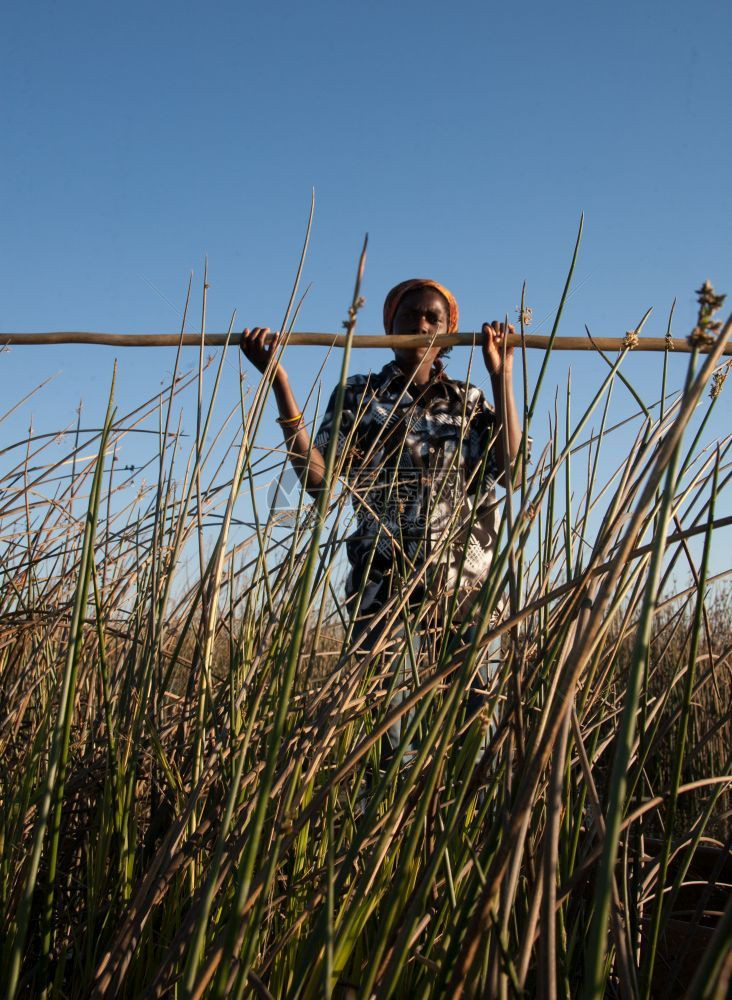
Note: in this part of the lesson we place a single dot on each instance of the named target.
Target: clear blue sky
(466, 138)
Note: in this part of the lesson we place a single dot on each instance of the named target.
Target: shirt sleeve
(354, 388)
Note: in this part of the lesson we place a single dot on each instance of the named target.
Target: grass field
(193, 800)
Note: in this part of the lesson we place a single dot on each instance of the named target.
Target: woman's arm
(310, 472)
(500, 367)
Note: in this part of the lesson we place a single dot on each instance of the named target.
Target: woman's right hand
(257, 350)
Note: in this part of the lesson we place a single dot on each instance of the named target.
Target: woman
(422, 454)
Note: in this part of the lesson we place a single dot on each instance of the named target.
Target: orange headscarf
(395, 296)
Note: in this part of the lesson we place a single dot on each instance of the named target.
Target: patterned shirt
(413, 461)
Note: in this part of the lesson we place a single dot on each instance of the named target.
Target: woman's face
(421, 311)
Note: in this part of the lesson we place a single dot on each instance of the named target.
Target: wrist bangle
(285, 421)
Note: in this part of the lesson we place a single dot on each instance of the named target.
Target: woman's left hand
(496, 360)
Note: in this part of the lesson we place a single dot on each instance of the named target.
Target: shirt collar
(391, 374)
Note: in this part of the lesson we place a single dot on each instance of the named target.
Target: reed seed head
(707, 328)
(525, 315)
(718, 380)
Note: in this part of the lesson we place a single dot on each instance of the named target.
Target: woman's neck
(423, 373)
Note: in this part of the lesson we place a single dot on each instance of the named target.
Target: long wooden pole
(533, 341)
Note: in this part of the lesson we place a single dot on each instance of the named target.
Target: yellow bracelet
(283, 421)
